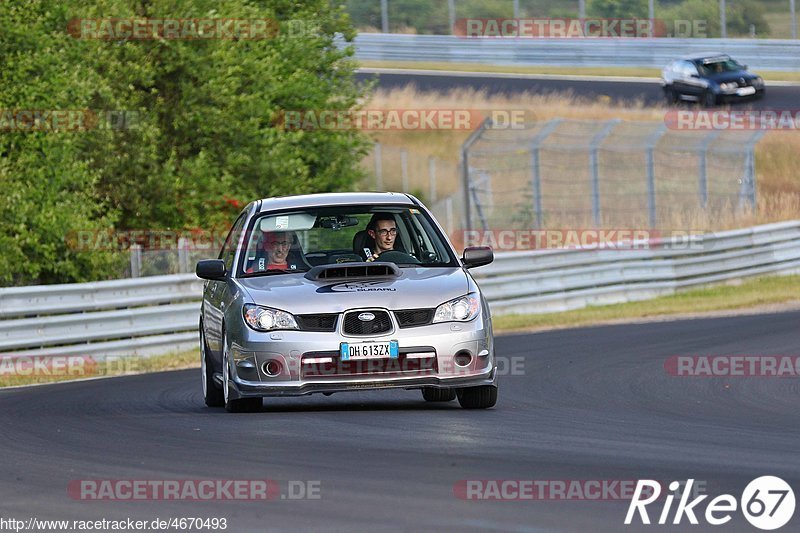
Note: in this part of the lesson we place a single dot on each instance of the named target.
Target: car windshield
(297, 240)
(717, 65)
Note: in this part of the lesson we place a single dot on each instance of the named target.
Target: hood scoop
(353, 271)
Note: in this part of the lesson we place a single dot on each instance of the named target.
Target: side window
(232, 241)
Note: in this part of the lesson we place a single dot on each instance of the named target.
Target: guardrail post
(378, 167)
(594, 167)
(136, 260)
(536, 176)
(466, 182)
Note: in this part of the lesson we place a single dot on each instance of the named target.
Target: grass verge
(754, 293)
(15, 371)
(633, 72)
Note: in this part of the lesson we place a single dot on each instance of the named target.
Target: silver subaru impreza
(343, 291)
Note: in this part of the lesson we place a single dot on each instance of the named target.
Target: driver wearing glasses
(383, 230)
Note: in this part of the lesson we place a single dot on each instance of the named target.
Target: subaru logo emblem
(366, 317)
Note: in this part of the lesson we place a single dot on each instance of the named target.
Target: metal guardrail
(560, 280)
(160, 314)
(766, 54)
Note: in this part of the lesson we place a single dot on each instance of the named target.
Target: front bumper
(308, 362)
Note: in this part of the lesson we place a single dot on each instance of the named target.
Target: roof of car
(335, 198)
(695, 57)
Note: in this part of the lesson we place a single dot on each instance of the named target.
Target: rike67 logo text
(767, 503)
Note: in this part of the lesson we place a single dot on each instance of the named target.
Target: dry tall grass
(777, 172)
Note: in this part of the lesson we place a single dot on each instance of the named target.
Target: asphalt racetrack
(623, 91)
(582, 404)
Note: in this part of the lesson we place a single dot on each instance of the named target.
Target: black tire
(241, 405)
(212, 394)
(244, 405)
(709, 99)
(482, 397)
(670, 95)
(438, 395)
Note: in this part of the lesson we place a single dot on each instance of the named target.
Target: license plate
(746, 91)
(368, 350)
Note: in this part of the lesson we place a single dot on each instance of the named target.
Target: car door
(695, 86)
(681, 83)
(214, 294)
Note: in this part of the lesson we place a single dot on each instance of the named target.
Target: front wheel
(709, 99)
(482, 397)
(242, 405)
(670, 95)
(211, 393)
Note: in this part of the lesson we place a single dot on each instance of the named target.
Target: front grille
(409, 318)
(325, 322)
(355, 326)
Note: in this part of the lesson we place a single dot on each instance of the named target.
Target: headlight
(732, 86)
(267, 319)
(458, 310)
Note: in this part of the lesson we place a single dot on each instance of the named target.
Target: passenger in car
(275, 252)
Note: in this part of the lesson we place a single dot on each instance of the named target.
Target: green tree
(204, 140)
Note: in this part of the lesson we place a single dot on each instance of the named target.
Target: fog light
(271, 368)
(463, 359)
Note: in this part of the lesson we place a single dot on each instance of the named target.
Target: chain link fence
(580, 173)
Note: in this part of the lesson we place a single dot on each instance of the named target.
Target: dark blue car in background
(709, 79)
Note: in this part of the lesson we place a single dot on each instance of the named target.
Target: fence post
(747, 192)
(432, 178)
(594, 167)
(378, 167)
(385, 16)
(404, 169)
(652, 140)
(183, 255)
(702, 185)
(536, 176)
(466, 182)
(136, 260)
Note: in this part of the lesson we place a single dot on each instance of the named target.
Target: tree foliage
(202, 138)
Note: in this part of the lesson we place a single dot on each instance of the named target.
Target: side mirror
(744, 67)
(211, 269)
(476, 256)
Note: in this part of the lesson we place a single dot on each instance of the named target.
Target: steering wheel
(396, 256)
